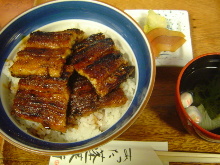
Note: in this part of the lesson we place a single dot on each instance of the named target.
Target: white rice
(86, 127)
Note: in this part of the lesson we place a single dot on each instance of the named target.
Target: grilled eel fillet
(54, 40)
(39, 99)
(97, 59)
(84, 99)
(45, 53)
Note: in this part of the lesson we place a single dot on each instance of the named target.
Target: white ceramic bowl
(92, 17)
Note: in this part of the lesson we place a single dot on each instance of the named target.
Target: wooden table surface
(159, 121)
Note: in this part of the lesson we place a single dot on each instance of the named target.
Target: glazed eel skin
(101, 63)
(64, 75)
(45, 53)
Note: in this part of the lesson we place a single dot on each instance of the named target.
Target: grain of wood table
(159, 121)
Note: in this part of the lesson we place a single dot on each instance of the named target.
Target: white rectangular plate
(177, 20)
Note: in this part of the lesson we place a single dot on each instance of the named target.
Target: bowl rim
(182, 109)
(131, 121)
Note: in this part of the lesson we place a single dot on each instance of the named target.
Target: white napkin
(116, 152)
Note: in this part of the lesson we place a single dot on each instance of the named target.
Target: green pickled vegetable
(208, 94)
(206, 122)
